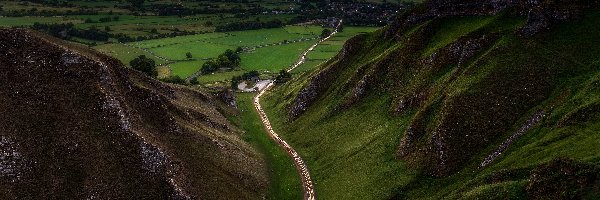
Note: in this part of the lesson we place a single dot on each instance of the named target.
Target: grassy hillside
(414, 114)
(284, 179)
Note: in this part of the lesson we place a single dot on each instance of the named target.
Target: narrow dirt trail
(307, 184)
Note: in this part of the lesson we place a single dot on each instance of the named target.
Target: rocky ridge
(80, 125)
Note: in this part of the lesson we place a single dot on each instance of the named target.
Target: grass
(304, 30)
(453, 28)
(185, 68)
(124, 53)
(285, 182)
(198, 50)
(219, 76)
(30, 20)
(346, 161)
(177, 40)
(251, 38)
(274, 58)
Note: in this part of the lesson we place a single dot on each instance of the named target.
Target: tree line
(250, 25)
(68, 30)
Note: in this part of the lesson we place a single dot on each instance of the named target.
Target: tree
(145, 65)
(188, 55)
(209, 66)
(249, 75)
(283, 77)
(107, 28)
(235, 81)
(154, 31)
(233, 57)
(228, 59)
(174, 79)
(194, 81)
(325, 33)
(239, 50)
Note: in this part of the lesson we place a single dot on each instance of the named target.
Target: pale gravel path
(307, 184)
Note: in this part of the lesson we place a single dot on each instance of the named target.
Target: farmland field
(197, 49)
(268, 49)
(219, 76)
(185, 68)
(274, 58)
(125, 53)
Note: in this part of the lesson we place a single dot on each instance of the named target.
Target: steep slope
(456, 99)
(78, 125)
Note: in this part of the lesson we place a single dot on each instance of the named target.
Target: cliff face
(78, 125)
(464, 72)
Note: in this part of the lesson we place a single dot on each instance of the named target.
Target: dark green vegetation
(229, 60)
(77, 124)
(416, 111)
(285, 181)
(145, 65)
(283, 77)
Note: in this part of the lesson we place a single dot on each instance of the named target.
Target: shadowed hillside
(456, 99)
(78, 125)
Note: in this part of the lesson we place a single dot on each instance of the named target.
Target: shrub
(145, 65)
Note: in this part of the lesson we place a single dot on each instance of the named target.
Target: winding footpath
(307, 184)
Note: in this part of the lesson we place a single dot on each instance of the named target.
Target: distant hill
(78, 125)
(457, 99)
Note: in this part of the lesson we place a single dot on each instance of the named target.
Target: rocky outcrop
(542, 14)
(563, 179)
(459, 52)
(228, 97)
(534, 120)
(321, 81)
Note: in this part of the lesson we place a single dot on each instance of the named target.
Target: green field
(185, 68)
(219, 76)
(177, 40)
(274, 58)
(199, 50)
(253, 38)
(28, 21)
(125, 53)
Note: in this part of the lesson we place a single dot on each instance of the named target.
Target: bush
(174, 79)
(145, 65)
(229, 59)
(325, 33)
(283, 77)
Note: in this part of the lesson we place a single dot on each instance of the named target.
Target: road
(307, 184)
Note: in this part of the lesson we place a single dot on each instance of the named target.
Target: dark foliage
(66, 31)
(229, 59)
(144, 64)
(283, 77)
(240, 26)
